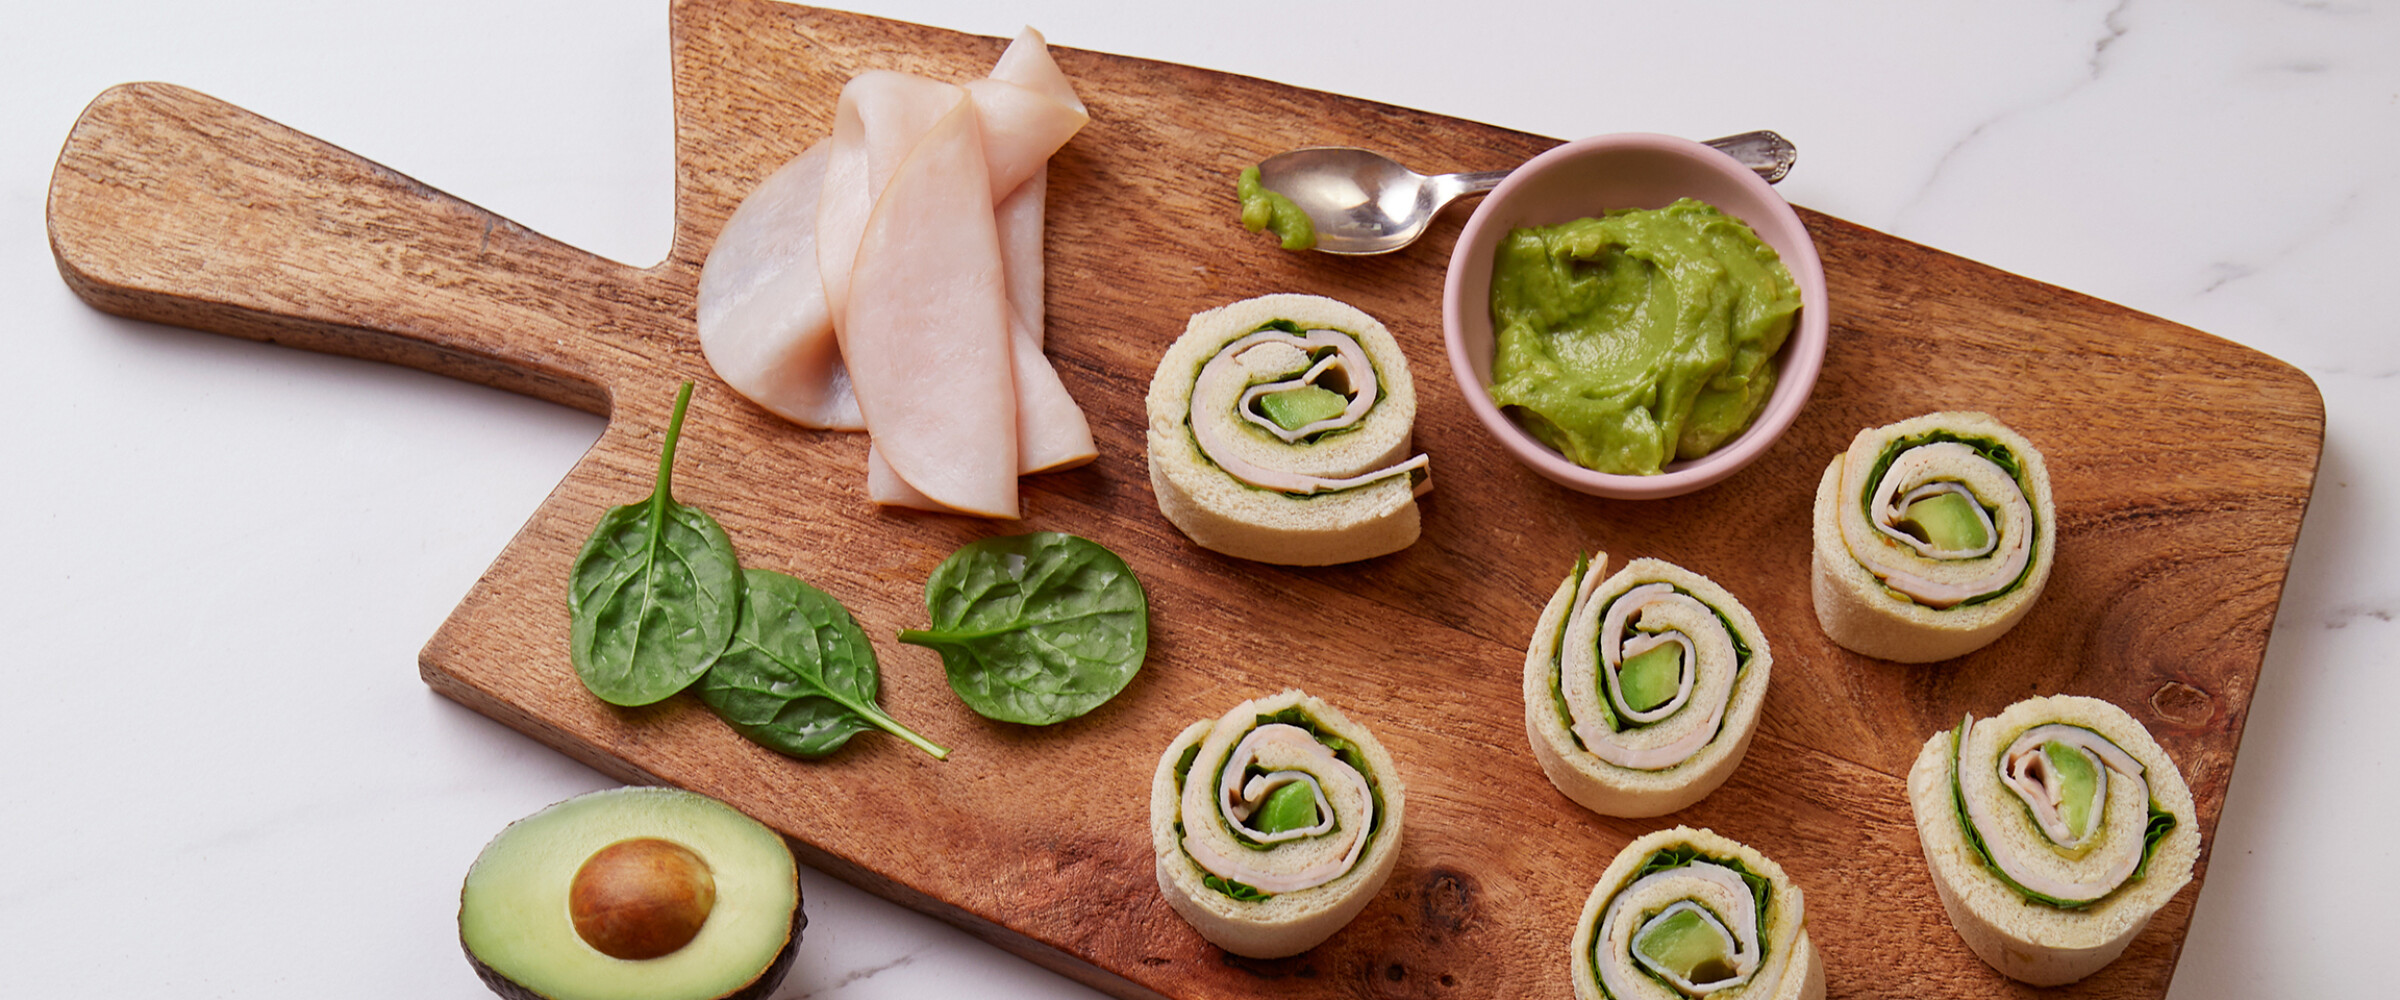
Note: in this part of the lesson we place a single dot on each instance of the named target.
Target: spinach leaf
(1183, 764)
(1035, 628)
(1240, 891)
(2162, 823)
(801, 677)
(654, 594)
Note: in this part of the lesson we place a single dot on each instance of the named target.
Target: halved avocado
(636, 869)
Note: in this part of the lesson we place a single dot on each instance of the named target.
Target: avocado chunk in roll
(1280, 431)
(2053, 830)
(1642, 689)
(1687, 913)
(1933, 536)
(1275, 824)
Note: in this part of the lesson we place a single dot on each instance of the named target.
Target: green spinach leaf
(655, 593)
(1036, 628)
(801, 677)
(1240, 891)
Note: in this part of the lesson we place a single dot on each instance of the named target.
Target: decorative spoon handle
(1770, 155)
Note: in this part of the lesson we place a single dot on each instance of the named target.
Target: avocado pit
(641, 898)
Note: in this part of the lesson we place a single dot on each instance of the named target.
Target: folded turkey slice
(1026, 111)
(1051, 430)
(925, 332)
(777, 284)
(763, 320)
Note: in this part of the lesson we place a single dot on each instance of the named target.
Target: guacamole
(1264, 209)
(1638, 337)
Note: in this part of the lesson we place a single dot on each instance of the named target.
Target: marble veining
(859, 975)
(2344, 616)
(2113, 29)
(2343, 212)
(2115, 25)
(2325, 7)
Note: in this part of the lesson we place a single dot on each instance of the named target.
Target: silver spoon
(1362, 202)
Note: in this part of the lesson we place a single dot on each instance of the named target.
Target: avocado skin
(759, 989)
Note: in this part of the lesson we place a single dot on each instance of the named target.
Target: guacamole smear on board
(1639, 337)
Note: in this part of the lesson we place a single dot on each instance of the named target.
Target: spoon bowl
(1363, 202)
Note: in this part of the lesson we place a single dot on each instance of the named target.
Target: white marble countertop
(224, 778)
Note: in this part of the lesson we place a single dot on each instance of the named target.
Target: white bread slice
(1859, 613)
(1287, 923)
(2033, 942)
(1793, 969)
(1224, 514)
(1603, 787)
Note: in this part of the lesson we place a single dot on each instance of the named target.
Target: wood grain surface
(2182, 466)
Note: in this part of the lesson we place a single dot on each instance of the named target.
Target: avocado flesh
(1683, 943)
(1289, 807)
(1293, 409)
(1946, 521)
(1650, 678)
(514, 919)
(2076, 779)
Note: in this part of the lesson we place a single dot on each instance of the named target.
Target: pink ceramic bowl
(1630, 170)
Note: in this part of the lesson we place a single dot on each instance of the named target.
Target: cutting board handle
(171, 206)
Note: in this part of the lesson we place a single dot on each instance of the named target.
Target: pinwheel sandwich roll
(2053, 830)
(1687, 913)
(1280, 431)
(1274, 825)
(1642, 690)
(1934, 535)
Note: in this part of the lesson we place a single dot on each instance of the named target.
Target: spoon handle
(1769, 154)
(1478, 183)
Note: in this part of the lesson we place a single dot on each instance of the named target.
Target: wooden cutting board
(2182, 466)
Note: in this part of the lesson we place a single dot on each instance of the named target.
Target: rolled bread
(1773, 956)
(1882, 590)
(2024, 938)
(1717, 723)
(1225, 475)
(1207, 876)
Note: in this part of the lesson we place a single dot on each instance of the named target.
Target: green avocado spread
(1264, 209)
(1639, 337)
